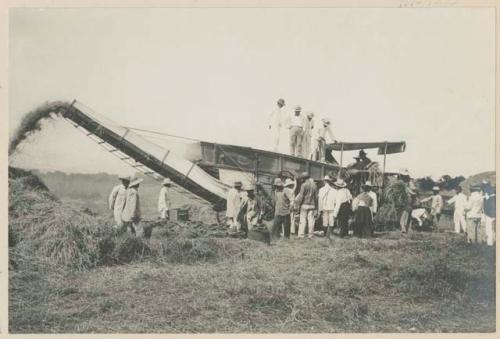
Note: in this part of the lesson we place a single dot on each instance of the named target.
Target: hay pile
(394, 198)
(43, 227)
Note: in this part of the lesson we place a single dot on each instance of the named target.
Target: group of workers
(475, 215)
(333, 203)
(125, 203)
(307, 140)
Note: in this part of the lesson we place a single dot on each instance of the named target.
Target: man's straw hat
(135, 181)
(166, 181)
(124, 177)
(237, 184)
(435, 188)
(289, 182)
(340, 183)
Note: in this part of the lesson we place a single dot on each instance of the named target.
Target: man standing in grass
(131, 214)
(489, 212)
(290, 190)
(164, 203)
(460, 201)
(307, 201)
(117, 200)
(282, 207)
(326, 204)
(436, 205)
(233, 202)
(475, 208)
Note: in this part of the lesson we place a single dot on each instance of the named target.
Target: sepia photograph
(251, 169)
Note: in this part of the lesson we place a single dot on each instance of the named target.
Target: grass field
(191, 282)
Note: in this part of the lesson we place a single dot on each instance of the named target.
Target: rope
(161, 133)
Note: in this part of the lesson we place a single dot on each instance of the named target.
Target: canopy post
(341, 154)
(383, 168)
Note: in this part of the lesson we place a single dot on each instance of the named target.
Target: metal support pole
(341, 154)
(383, 169)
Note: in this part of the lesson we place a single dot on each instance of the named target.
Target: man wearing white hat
(131, 214)
(275, 121)
(164, 202)
(307, 136)
(460, 201)
(117, 199)
(436, 205)
(233, 202)
(326, 204)
(323, 131)
(295, 124)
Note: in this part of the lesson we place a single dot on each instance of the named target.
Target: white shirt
(460, 201)
(308, 126)
(475, 205)
(233, 203)
(342, 195)
(276, 117)
(326, 198)
(323, 131)
(374, 206)
(296, 120)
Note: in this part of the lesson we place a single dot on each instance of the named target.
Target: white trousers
(306, 146)
(459, 220)
(490, 229)
(328, 218)
(117, 214)
(276, 131)
(306, 219)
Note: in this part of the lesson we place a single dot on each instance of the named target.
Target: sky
(425, 76)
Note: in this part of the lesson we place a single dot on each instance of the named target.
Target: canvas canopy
(384, 147)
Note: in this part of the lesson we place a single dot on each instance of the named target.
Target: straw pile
(394, 198)
(42, 226)
(31, 122)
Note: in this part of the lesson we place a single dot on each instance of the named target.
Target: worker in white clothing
(295, 124)
(117, 199)
(475, 209)
(436, 205)
(460, 201)
(323, 131)
(164, 202)
(373, 195)
(326, 204)
(275, 121)
(233, 202)
(307, 136)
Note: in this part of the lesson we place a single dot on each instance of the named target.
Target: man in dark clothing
(307, 202)
(282, 208)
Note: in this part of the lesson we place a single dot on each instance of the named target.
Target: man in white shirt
(475, 208)
(460, 201)
(306, 139)
(372, 195)
(233, 202)
(436, 205)
(320, 144)
(116, 200)
(326, 204)
(296, 127)
(164, 203)
(275, 121)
